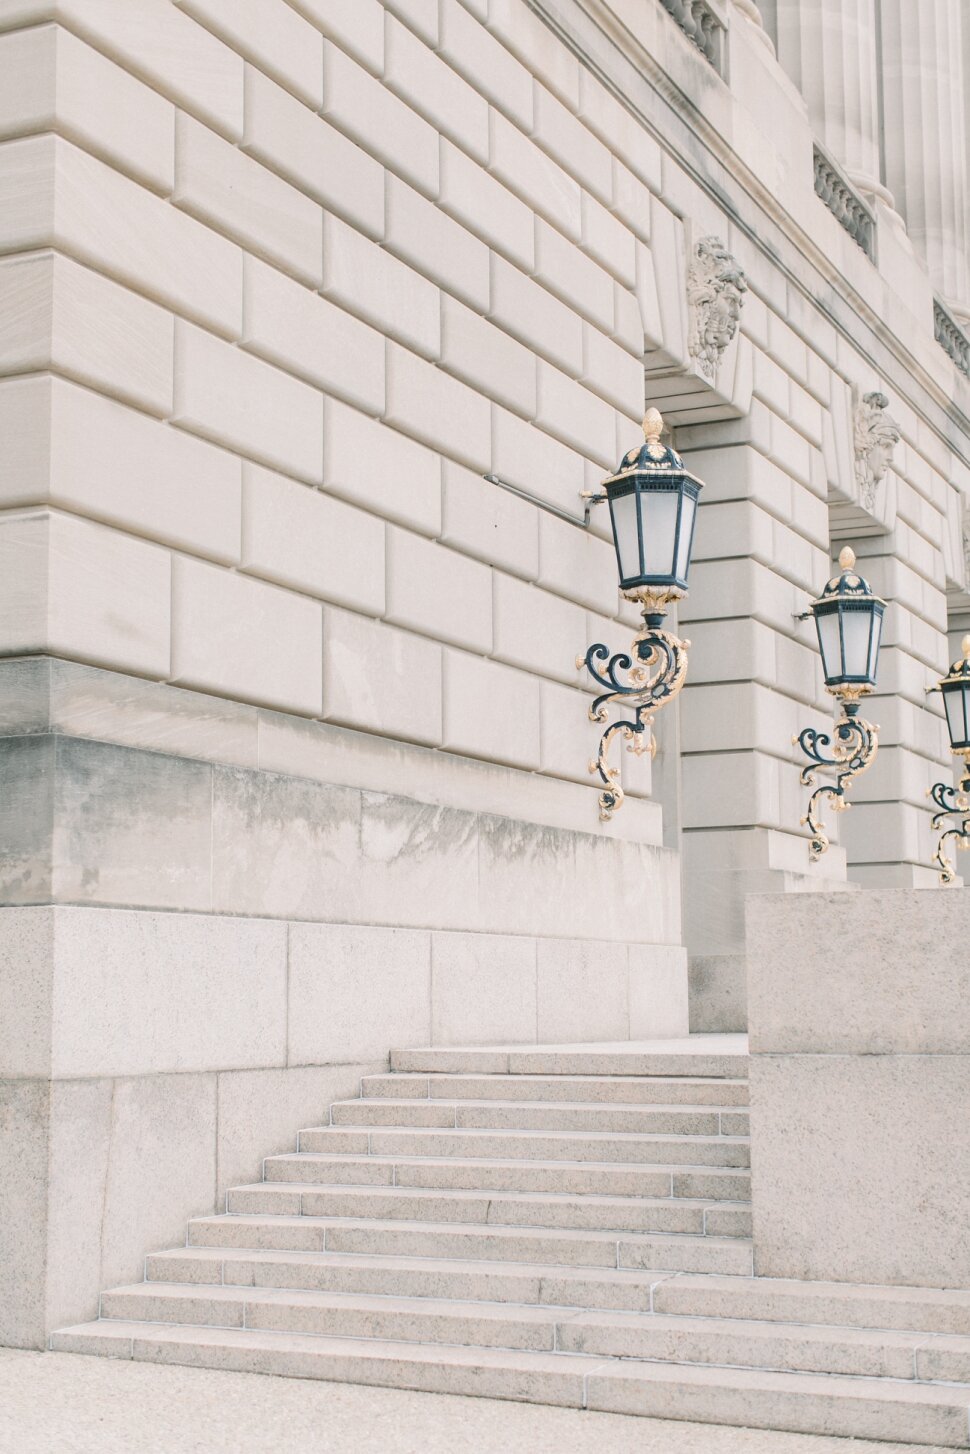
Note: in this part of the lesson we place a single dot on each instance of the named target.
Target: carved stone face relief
(715, 288)
(876, 437)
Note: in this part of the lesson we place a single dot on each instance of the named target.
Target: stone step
(626, 1090)
(530, 1115)
(542, 1328)
(534, 1283)
(468, 1174)
(681, 1253)
(864, 1408)
(720, 1056)
(510, 1209)
(603, 1146)
(832, 1304)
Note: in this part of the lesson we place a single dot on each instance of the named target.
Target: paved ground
(63, 1403)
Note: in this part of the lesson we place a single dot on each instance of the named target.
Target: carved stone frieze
(876, 435)
(715, 288)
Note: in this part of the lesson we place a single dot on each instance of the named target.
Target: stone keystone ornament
(715, 288)
(876, 437)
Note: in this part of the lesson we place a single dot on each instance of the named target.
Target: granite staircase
(563, 1225)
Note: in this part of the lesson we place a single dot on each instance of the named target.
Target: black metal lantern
(951, 801)
(653, 506)
(848, 619)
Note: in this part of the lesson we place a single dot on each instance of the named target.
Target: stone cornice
(619, 60)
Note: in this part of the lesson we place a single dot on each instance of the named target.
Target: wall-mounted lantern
(848, 620)
(951, 801)
(653, 505)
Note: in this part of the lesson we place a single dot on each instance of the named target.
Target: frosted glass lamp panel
(856, 631)
(874, 641)
(624, 511)
(955, 704)
(686, 537)
(660, 532)
(830, 644)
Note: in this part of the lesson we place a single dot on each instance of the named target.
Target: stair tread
(532, 1132)
(566, 1234)
(464, 1194)
(405, 1159)
(839, 1385)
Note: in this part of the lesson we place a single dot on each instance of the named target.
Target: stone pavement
(61, 1403)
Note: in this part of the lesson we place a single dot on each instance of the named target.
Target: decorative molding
(951, 337)
(876, 435)
(844, 202)
(715, 287)
(701, 23)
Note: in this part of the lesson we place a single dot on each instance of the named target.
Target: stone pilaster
(925, 135)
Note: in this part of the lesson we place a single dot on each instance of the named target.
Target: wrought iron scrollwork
(655, 673)
(853, 751)
(951, 802)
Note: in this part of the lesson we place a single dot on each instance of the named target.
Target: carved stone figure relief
(715, 288)
(876, 435)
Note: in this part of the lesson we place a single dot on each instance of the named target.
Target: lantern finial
(847, 557)
(653, 425)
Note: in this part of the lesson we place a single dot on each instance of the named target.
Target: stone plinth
(859, 1015)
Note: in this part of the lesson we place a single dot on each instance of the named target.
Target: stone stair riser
(666, 1121)
(687, 1151)
(609, 1091)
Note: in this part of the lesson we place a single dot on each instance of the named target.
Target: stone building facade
(295, 745)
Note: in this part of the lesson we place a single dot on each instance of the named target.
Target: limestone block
(609, 241)
(161, 1167)
(381, 679)
(24, 1129)
(619, 130)
(26, 815)
(130, 827)
(658, 991)
(803, 1001)
(575, 415)
(420, 15)
(741, 587)
(77, 589)
(260, 644)
(141, 993)
(564, 136)
(627, 325)
(631, 201)
(525, 455)
(861, 1163)
(259, 1111)
(486, 63)
(749, 788)
(372, 465)
(438, 592)
(71, 447)
(25, 692)
(741, 715)
(418, 863)
(312, 154)
(107, 220)
(434, 244)
(490, 711)
(582, 991)
(572, 276)
(26, 980)
(367, 111)
(534, 176)
(487, 358)
(436, 409)
(888, 832)
(179, 57)
(486, 521)
(576, 565)
(234, 399)
(108, 706)
(369, 282)
(48, 307)
(536, 630)
(663, 300)
(310, 336)
(355, 991)
(488, 209)
(718, 993)
(547, 57)
(52, 80)
(227, 189)
(356, 25)
(531, 314)
(568, 739)
(80, 1121)
(432, 88)
(273, 36)
(310, 541)
(483, 989)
